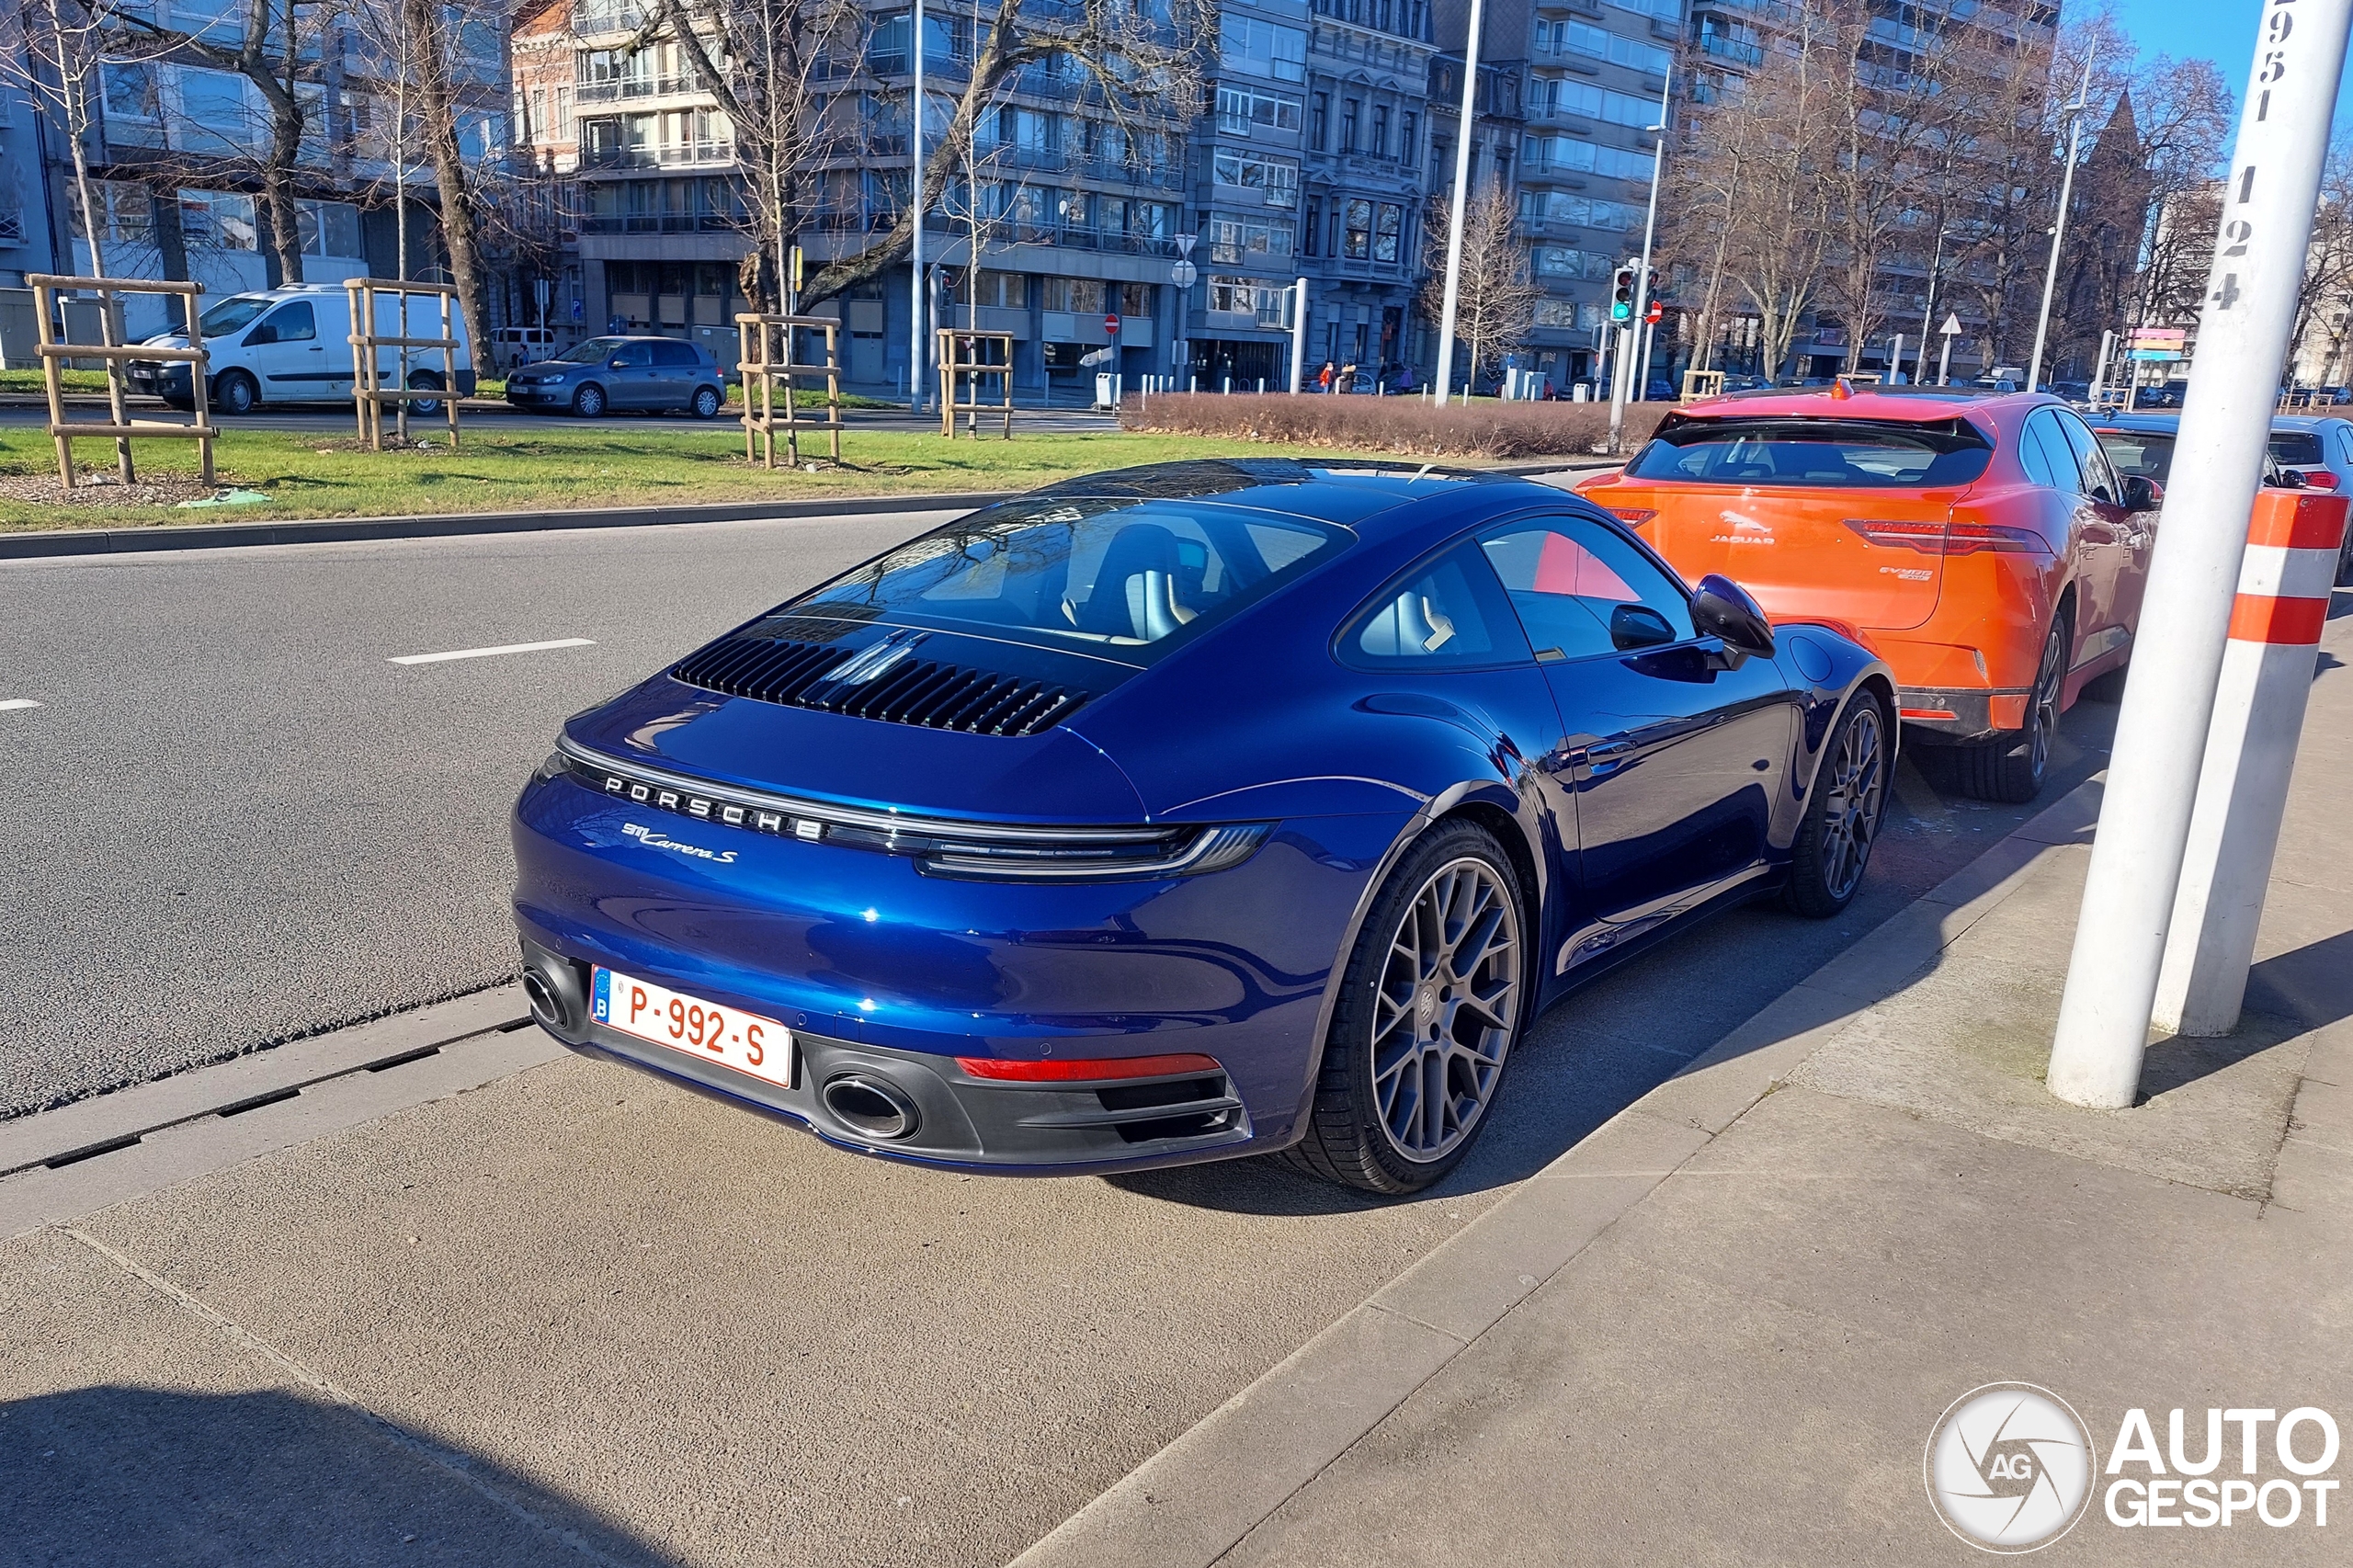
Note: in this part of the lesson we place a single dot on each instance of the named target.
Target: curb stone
(1196, 1499)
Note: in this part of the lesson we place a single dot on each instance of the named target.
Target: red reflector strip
(1093, 1070)
(1925, 713)
(2258, 618)
(2296, 522)
(1635, 517)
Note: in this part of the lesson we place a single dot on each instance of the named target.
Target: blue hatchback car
(1184, 813)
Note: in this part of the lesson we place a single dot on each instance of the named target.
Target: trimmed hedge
(1399, 426)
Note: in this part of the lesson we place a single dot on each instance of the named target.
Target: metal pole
(918, 340)
(1895, 361)
(2099, 371)
(1928, 306)
(1299, 337)
(1636, 374)
(1944, 362)
(1461, 190)
(2250, 310)
(2059, 225)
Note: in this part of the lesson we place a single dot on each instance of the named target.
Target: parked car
(633, 374)
(1182, 812)
(294, 345)
(2141, 445)
(1985, 546)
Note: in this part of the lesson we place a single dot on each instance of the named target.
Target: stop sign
(1111, 325)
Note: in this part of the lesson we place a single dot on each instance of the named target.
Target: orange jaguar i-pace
(1982, 545)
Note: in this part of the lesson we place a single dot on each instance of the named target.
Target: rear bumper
(1962, 715)
(882, 971)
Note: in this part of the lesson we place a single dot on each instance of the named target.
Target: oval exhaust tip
(873, 1107)
(544, 999)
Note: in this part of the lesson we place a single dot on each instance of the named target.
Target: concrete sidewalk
(1721, 1328)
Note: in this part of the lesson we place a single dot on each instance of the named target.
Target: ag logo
(2010, 1467)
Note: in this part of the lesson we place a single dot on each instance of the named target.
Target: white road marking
(10, 704)
(492, 653)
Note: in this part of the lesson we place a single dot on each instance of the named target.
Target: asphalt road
(232, 821)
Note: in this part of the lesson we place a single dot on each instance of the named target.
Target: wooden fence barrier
(119, 425)
(757, 336)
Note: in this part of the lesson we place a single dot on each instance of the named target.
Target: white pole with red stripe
(2284, 584)
(2248, 314)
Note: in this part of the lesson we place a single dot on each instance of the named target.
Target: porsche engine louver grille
(925, 692)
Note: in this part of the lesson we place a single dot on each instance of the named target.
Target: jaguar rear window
(1816, 453)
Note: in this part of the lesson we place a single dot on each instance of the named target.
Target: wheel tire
(1842, 819)
(588, 402)
(234, 394)
(707, 403)
(426, 407)
(2010, 767)
(2345, 562)
(1454, 898)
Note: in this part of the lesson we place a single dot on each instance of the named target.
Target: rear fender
(1831, 672)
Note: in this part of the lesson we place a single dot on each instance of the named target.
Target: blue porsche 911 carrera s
(1183, 812)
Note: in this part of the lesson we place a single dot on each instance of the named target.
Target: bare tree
(63, 47)
(1496, 303)
(277, 36)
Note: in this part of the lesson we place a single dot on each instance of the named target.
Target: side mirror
(1633, 626)
(1723, 610)
(2141, 494)
(616, 363)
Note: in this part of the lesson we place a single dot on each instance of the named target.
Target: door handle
(1608, 756)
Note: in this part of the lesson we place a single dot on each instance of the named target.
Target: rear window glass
(2140, 454)
(1833, 453)
(2299, 447)
(1125, 577)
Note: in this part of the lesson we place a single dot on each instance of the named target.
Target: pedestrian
(1326, 377)
(1404, 379)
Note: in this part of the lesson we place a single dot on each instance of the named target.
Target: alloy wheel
(2047, 682)
(1449, 1003)
(1855, 792)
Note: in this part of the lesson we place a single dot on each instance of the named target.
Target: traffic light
(1622, 302)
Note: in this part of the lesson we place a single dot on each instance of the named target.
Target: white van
(294, 344)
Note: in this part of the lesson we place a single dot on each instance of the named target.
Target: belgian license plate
(756, 1047)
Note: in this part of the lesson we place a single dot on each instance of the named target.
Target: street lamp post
(1461, 191)
(918, 340)
(1180, 348)
(1928, 307)
(2059, 222)
(1633, 374)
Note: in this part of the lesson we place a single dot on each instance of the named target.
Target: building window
(1315, 224)
(1262, 49)
(1319, 122)
(130, 92)
(1408, 132)
(1387, 228)
(329, 228)
(1360, 236)
(1556, 312)
(1247, 241)
(1079, 296)
(1135, 300)
(1241, 110)
(1380, 130)
(126, 213)
(1267, 304)
(1347, 125)
(218, 220)
(1278, 177)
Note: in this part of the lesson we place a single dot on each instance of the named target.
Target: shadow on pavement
(117, 1475)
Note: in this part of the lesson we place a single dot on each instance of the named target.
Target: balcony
(1747, 55)
(625, 89)
(661, 155)
(608, 16)
(659, 222)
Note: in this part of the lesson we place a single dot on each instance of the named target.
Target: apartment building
(177, 146)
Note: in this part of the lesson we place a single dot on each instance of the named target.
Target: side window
(1448, 613)
(2058, 456)
(2035, 460)
(674, 354)
(288, 323)
(2099, 482)
(2344, 445)
(1564, 575)
(632, 355)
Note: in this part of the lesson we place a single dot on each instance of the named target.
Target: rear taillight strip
(1957, 537)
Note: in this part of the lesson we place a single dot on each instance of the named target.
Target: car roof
(1864, 402)
(2306, 422)
(2152, 423)
(1348, 492)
